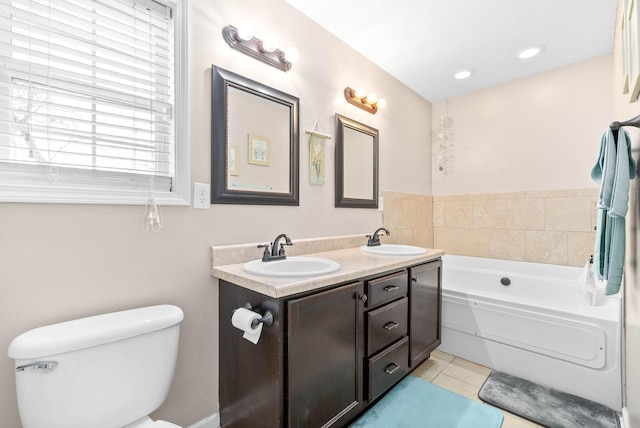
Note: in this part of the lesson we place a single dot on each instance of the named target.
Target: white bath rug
(545, 406)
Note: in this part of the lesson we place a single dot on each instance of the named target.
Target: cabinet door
(325, 357)
(425, 294)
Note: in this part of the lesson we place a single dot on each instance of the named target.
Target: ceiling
(424, 42)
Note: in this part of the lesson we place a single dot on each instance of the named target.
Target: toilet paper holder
(267, 317)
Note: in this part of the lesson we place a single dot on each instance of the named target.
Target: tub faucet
(275, 253)
(374, 239)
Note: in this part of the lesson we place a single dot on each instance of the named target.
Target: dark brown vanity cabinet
(387, 327)
(326, 344)
(329, 353)
(307, 368)
(425, 310)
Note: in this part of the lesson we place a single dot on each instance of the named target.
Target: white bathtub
(539, 327)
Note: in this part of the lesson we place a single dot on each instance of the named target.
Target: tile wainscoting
(555, 227)
(409, 218)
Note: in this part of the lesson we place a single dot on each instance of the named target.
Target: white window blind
(87, 96)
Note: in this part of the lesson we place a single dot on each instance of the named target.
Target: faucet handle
(373, 240)
(282, 244)
(266, 253)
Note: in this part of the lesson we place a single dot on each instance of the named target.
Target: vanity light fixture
(242, 39)
(369, 102)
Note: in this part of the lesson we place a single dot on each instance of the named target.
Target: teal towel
(625, 171)
(604, 170)
(613, 170)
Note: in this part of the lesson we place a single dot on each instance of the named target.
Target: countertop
(354, 264)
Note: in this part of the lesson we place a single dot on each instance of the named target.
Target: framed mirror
(254, 142)
(356, 164)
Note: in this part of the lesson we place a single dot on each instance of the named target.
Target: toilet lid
(156, 424)
(163, 424)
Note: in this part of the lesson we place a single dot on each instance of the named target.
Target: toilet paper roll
(242, 319)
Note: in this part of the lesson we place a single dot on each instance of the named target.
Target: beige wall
(537, 133)
(519, 185)
(624, 111)
(59, 262)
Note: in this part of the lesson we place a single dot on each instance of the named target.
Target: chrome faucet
(275, 253)
(374, 239)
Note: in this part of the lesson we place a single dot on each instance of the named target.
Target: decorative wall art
(317, 154)
(316, 159)
(234, 164)
(630, 57)
(259, 150)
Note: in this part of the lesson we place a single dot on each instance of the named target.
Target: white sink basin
(394, 250)
(292, 267)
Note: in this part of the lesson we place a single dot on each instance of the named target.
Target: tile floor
(465, 378)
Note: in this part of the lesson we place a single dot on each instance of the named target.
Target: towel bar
(631, 122)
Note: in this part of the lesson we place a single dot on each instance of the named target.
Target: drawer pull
(389, 288)
(391, 368)
(391, 325)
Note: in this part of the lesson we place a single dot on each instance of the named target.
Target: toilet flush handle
(39, 365)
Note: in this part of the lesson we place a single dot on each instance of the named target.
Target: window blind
(87, 93)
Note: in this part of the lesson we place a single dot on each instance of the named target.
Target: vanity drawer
(386, 324)
(387, 368)
(387, 288)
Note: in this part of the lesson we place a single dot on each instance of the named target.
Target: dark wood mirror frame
(343, 201)
(221, 80)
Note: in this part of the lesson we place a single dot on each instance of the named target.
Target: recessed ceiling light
(464, 74)
(530, 52)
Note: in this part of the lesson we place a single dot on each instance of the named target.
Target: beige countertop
(354, 264)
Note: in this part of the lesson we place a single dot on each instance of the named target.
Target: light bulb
(359, 93)
(245, 32)
(382, 103)
(269, 44)
(529, 53)
(464, 74)
(372, 98)
(291, 54)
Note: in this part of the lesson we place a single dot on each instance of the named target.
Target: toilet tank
(103, 371)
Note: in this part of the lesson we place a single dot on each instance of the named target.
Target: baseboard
(624, 420)
(212, 421)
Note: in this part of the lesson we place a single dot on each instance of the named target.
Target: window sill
(24, 194)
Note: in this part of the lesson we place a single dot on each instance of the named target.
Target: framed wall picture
(259, 150)
(624, 40)
(316, 159)
(233, 156)
(633, 57)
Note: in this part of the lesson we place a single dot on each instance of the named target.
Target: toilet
(104, 371)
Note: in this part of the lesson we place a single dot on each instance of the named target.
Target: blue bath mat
(414, 402)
